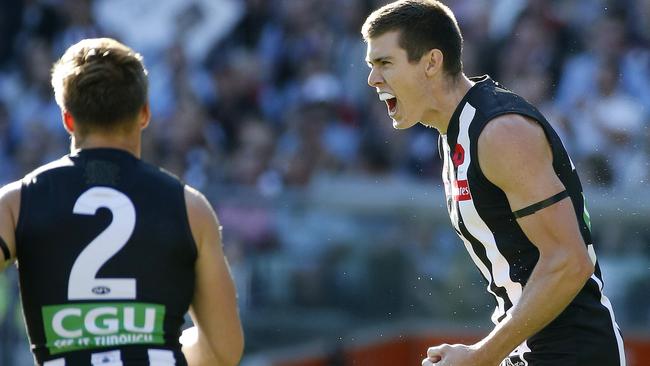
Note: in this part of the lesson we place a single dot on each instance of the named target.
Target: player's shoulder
(509, 145)
(200, 214)
(53, 166)
(196, 202)
(155, 181)
(488, 94)
(10, 191)
(511, 131)
(491, 100)
(10, 199)
(159, 173)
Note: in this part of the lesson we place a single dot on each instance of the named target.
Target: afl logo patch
(101, 290)
(459, 155)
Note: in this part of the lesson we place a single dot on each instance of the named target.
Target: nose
(374, 78)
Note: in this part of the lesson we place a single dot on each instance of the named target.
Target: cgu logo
(73, 322)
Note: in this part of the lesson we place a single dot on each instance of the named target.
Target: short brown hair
(101, 83)
(423, 26)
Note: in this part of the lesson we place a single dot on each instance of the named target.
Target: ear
(68, 121)
(434, 62)
(145, 116)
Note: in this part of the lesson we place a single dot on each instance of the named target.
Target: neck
(446, 95)
(128, 142)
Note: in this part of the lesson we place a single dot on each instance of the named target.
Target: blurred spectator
(606, 42)
(612, 136)
(297, 66)
(10, 25)
(7, 147)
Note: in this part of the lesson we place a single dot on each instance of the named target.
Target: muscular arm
(9, 207)
(515, 155)
(214, 306)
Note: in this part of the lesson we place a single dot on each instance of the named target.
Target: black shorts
(578, 337)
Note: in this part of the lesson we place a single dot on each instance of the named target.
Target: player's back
(106, 261)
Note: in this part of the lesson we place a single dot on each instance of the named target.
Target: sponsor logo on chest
(460, 190)
(455, 175)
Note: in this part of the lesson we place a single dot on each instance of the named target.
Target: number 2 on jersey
(83, 283)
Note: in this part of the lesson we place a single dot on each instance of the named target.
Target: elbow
(237, 353)
(575, 267)
(232, 354)
(584, 269)
(234, 358)
(578, 267)
(231, 359)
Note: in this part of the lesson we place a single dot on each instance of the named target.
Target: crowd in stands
(276, 92)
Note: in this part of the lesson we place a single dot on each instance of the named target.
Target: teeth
(383, 96)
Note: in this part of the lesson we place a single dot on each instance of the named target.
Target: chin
(402, 125)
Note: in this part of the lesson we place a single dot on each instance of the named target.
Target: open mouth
(390, 100)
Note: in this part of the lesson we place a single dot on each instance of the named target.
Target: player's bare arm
(514, 155)
(214, 311)
(9, 207)
(527, 177)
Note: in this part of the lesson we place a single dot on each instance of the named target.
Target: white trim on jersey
(525, 349)
(448, 178)
(608, 305)
(161, 357)
(476, 226)
(501, 304)
(109, 358)
(520, 352)
(157, 357)
(57, 362)
(592, 256)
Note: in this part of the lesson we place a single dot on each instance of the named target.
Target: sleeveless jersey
(106, 261)
(586, 331)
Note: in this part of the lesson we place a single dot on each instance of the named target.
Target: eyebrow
(377, 60)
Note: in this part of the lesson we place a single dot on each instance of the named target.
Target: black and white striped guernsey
(585, 333)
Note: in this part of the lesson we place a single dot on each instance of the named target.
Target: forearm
(200, 351)
(197, 355)
(197, 349)
(551, 287)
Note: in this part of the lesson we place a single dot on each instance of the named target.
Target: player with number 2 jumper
(112, 252)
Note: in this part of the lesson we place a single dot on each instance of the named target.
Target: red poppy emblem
(459, 155)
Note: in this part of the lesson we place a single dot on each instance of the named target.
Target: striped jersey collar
(480, 81)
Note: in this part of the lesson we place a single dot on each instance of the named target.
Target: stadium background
(334, 223)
